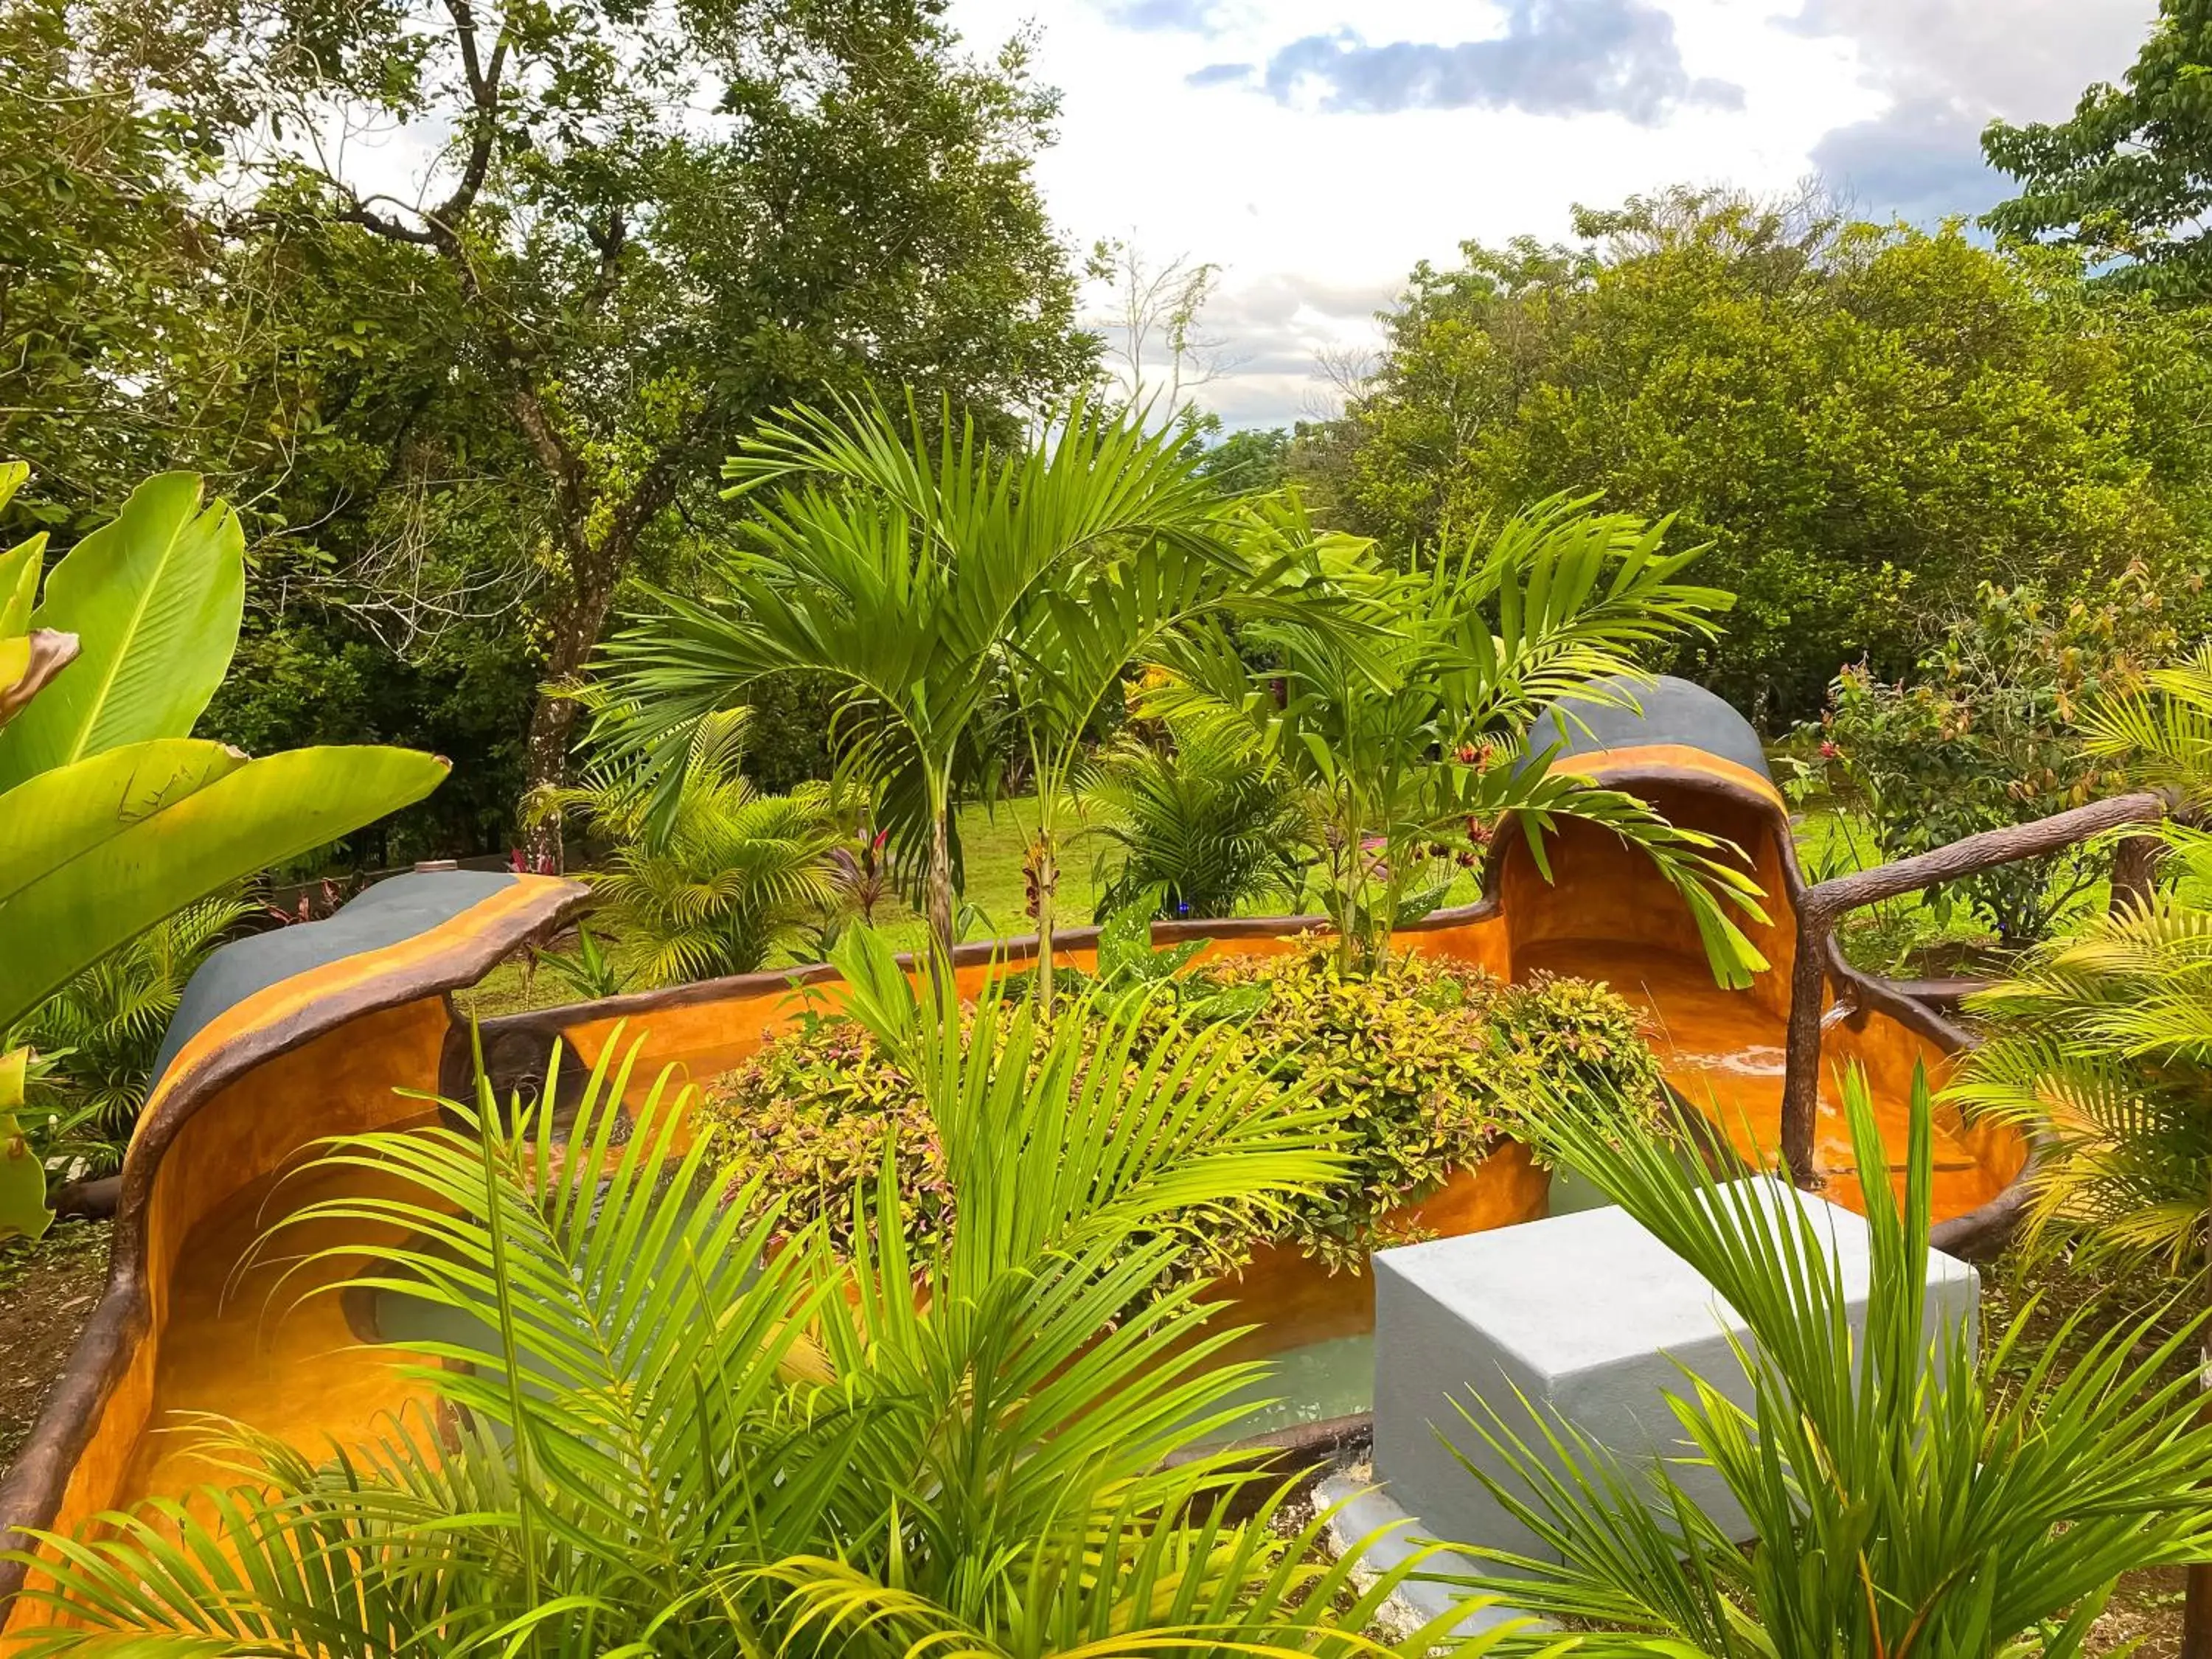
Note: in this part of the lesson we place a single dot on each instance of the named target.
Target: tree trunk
(545, 766)
(2197, 1606)
(2134, 871)
(939, 896)
(1044, 870)
(553, 718)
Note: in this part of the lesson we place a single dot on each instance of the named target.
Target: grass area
(1909, 937)
(993, 840)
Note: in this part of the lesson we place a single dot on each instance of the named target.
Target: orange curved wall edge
(249, 1343)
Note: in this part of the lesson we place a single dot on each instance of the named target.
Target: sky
(1316, 149)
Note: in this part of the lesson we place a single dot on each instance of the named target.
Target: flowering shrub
(1427, 1062)
(1982, 736)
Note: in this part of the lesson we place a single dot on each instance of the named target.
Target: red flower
(1829, 751)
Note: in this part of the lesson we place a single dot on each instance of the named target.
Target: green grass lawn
(993, 836)
(1909, 937)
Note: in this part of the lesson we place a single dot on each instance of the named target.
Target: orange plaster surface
(1292, 1299)
(1723, 1051)
(262, 1337)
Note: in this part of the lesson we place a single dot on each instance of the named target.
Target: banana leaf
(93, 853)
(155, 596)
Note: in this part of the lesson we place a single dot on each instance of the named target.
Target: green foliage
(115, 818)
(733, 876)
(1985, 735)
(941, 585)
(99, 260)
(458, 429)
(1399, 711)
(2099, 1041)
(588, 971)
(1425, 1061)
(120, 817)
(153, 597)
(1863, 423)
(956, 1447)
(1900, 1505)
(1248, 463)
(1193, 812)
(23, 1211)
(2097, 1044)
(102, 1030)
(2128, 177)
(1420, 1066)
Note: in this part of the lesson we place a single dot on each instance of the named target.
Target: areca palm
(1204, 820)
(685, 1435)
(920, 576)
(1411, 731)
(735, 874)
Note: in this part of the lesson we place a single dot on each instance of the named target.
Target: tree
(1408, 726)
(2128, 178)
(1251, 462)
(645, 234)
(942, 585)
(1159, 352)
(1865, 422)
(98, 274)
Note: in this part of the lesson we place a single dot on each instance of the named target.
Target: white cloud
(1300, 202)
(1948, 68)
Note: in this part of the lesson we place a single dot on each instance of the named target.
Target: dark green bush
(1428, 1061)
(1191, 812)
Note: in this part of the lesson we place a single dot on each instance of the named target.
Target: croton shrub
(1428, 1062)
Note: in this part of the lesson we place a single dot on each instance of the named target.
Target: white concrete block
(1587, 1316)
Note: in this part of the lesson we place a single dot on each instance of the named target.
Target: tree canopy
(461, 412)
(1864, 423)
(2128, 177)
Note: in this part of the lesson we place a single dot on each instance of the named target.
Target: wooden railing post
(1800, 1082)
(1820, 908)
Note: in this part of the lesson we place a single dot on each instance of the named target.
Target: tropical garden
(643, 513)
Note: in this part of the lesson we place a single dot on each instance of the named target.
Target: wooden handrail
(1820, 908)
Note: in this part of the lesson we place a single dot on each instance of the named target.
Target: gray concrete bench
(1587, 1316)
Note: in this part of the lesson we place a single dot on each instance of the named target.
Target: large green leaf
(96, 852)
(154, 596)
(23, 1211)
(19, 585)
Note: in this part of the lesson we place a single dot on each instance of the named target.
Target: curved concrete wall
(268, 1061)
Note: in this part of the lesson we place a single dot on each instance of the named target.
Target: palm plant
(1901, 1509)
(683, 1430)
(2099, 1041)
(1408, 732)
(930, 578)
(734, 876)
(1201, 818)
(2100, 1046)
(104, 1029)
